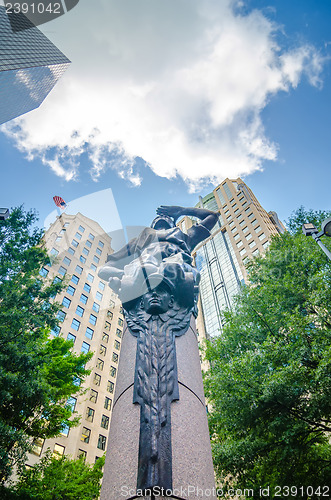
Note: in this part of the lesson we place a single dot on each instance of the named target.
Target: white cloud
(180, 84)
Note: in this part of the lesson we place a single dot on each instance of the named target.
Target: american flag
(59, 202)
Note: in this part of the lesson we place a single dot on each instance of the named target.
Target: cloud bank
(180, 84)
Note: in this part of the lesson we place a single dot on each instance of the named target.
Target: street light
(310, 230)
(4, 213)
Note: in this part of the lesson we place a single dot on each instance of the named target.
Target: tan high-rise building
(91, 317)
(244, 231)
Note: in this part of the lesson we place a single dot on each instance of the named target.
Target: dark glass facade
(30, 66)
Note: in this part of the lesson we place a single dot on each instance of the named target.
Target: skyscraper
(91, 317)
(244, 231)
(30, 66)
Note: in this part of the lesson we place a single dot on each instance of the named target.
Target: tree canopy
(269, 382)
(58, 479)
(38, 373)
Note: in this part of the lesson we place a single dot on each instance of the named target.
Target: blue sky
(163, 103)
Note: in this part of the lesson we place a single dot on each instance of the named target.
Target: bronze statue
(158, 286)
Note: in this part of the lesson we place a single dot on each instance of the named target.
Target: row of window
(90, 412)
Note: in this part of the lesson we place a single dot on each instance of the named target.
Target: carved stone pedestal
(192, 468)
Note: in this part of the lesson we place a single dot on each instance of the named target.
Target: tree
(37, 372)
(269, 382)
(58, 479)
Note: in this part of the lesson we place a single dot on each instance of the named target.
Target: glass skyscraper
(30, 66)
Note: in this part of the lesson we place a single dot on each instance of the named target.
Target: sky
(164, 100)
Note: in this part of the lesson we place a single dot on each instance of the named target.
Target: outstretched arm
(208, 217)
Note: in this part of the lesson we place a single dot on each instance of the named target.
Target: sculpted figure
(158, 286)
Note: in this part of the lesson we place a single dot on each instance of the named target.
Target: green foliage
(269, 383)
(36, 372)
(58, 479)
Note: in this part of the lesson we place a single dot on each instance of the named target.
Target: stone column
(192, 467)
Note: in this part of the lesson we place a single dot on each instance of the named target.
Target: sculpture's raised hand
(171, 211)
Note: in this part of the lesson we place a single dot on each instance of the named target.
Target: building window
(117, 344)
(101, 244)
(58, 451)
(86, 433)
(93, 396)
(93, 319)
(93, 267)
(88, 244)
(81, 229)
(83, 298)
(75, 243)
(55, 331)
(111, 303)
(104, 422)
(248, 236)
(61, 316)
(90, 277)
(112, 371)
(101, 285)
(87, 287)
(71, 290)
(261, 236)
(115, 357)
(82, 455)
(245, 229)
(71, 337)
(109, 315)
(256, 252)
(98, 251)
(119, 332)
(105, 337)
(43, 272)
(71, 251)
(54, 252)
(98, 296)
(107, 404)
(75, 324)
(85, 251)
(80, 311)
(89, 414)
(85, 347)
(37, 446)
(96, 307)
(103, 350)
(91, 237)
(236, 236)
(65, 430)
(102, 442)
(99, 364)
(66, 302)
(89, 333)
(266, 244)
(71, 403)
(107, 326)
(120, 321)
(67, 261)
(82, 259)
(79, 269)
(97, 379)
(243, 251)
(252, 244)
(76, 381)
(78, 236)
(75, 279)
(62, 270)
(110, 386)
